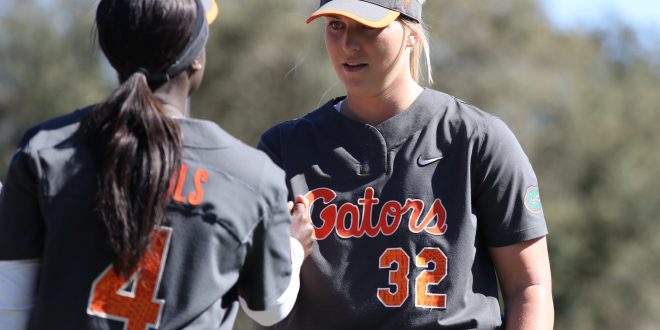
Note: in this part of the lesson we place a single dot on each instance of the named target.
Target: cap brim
(211, 10)
(364, 12)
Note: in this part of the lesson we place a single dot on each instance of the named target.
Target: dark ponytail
(139, 149)
(138, 145)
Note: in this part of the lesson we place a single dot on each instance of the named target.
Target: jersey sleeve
(21, 222)
(508, 204)
(18, 292)
(283, 304)
(270, 144)
(267, 270)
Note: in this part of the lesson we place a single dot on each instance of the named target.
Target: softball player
(129, 215)
(421, 202)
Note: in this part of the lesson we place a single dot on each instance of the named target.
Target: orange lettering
(336, 218)
(328, 214)
(417, 207)
(437, 211)
(196, 197)
(344, 211)
(393, 209)
(179, 185)
(367, 206)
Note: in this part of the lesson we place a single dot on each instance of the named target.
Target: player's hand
(301, 224)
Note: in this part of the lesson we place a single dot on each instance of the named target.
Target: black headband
(190, 52)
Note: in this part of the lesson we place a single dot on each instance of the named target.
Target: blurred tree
(49, 64)
(262, 67)
(583, 106)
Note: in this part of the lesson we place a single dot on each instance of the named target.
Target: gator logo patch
(533, 200)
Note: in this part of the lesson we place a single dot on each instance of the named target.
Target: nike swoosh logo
(423, 162)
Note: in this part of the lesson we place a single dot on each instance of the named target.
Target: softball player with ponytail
(129, 215)
(422, 204)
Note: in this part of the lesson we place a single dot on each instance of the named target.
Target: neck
(174, 97)
(374, 109)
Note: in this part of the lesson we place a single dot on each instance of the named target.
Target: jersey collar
(398, 128)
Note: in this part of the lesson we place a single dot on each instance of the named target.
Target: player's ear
(199, 62)
(196, 65)
(412, 39)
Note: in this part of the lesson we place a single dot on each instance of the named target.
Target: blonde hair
(422, 48)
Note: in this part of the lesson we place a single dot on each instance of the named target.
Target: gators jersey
(404, 214)
(226, 234)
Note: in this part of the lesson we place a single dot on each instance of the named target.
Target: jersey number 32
(133, 300)
(398, 277)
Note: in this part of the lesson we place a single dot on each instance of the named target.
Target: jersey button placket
(374, 152)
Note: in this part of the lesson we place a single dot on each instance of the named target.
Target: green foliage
(49, 65)
(583, 106)
(261, 69)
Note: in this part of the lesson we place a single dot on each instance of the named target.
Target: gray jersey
(226, 234)
(404, 213)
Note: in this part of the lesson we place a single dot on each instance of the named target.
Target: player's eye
(335, 25)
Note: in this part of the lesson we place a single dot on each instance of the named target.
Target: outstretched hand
(301, 224)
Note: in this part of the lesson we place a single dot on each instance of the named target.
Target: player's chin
(360, 87)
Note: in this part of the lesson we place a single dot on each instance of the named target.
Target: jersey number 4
(399, 277)
(133, 300)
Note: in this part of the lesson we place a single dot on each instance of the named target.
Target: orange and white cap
(211, 10)
(373, 13)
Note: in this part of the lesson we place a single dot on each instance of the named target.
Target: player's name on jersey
(354, 221)
(191, 193)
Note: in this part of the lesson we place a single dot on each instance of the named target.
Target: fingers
(302, 205)
(302, 199)
(308, 209)
(302, 228)
(299, 208)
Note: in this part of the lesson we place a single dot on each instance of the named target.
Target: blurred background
(577, 81)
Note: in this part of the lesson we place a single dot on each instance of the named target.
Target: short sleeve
(508, 204)
(21, 222)
(266, 273)
(269, 143)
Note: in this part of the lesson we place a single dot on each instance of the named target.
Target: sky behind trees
(642, 16)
